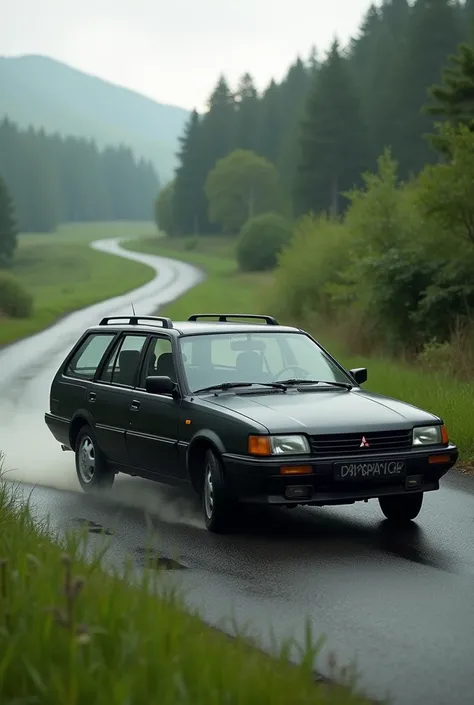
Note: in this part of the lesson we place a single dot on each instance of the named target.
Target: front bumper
(258, 480)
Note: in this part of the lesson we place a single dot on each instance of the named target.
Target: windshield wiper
(230, 385)
(295, 382)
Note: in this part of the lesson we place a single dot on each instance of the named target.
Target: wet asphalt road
(400, 603)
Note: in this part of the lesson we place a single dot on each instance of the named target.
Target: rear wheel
(217, 505)
(401, 508)
(93, 473)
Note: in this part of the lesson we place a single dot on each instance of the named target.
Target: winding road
(400, 603)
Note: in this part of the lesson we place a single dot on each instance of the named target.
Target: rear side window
(86, 360)
(124, 361)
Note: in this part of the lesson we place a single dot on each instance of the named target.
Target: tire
(93, 473)
(217, 506)
(401, 508)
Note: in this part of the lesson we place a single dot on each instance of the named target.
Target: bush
(15, 301)
(310, 278)
(261, 240)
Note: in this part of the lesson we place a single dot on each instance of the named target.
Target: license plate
(369, 470)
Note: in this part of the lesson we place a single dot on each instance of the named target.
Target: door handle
(135, 405)
(92, 396)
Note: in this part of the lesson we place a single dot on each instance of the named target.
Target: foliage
(387, 260)
(15, 301)
(454, 99)
(241, 186)
(261, 240)
(310, 272)
(327, 120)
(68, 631)
(446, 190)
(8, 227)
(331, 149)
(164, 209)
(56, 180)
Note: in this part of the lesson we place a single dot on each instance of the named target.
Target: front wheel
(218, 507)
(401, 508)
(93, 473)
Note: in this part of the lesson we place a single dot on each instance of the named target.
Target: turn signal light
(444, 435)
(297, 470)
(433, 459)
(259, 445)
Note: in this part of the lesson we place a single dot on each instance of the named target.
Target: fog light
(298, 492)
(413, 481)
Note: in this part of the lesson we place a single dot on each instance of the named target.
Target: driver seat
(249, 367)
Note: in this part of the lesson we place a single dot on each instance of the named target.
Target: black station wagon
(245, 411)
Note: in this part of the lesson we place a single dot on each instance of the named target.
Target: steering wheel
(301, 373)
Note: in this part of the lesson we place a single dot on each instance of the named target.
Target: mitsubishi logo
(364, 443)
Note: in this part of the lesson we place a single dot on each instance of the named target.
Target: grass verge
(72, 634)
(228, 289)
(64, 274)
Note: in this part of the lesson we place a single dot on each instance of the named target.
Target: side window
(124, 361)
(87, 359)
(159, 361)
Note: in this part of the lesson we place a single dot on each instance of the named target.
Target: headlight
(278, 445)
(428, 435)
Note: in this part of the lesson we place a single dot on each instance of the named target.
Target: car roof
(154, 324)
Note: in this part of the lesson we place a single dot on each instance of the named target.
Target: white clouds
(174, 51)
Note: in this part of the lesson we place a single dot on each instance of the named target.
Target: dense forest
(331, 117)
(55, 180)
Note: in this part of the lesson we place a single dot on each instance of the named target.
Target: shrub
(15, 301)
(261, 240)
(310, 278)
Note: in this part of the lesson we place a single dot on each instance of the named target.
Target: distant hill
(42, 92)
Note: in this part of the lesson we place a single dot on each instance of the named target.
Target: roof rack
(224, 317)
(133, 320)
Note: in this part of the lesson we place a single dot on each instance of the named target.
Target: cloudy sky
(174, 51)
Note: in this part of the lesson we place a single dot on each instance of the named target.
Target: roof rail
(133, 320)
(224, 317)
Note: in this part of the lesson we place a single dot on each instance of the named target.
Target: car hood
(324, 411)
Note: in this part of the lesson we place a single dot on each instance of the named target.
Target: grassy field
(64, 274)
(227, 289)
(71, 634)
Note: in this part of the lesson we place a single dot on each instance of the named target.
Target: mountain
(44, 93)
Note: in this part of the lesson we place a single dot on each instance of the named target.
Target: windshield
(255, 357)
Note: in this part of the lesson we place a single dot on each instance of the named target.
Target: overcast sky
(174, 51)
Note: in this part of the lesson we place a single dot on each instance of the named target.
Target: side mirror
(160, 385)
(359, 374)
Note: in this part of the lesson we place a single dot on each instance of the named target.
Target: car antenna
(133, 309)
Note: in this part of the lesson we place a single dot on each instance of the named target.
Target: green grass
(71, 634)
(229, 290)
(64, 274)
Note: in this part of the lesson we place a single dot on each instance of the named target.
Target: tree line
(327, 121)
(395, 272)
(54, 179)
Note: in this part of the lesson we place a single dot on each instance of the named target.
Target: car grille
(350, 443)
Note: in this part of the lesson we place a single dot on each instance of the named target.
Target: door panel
(153, 419)
(114, 393)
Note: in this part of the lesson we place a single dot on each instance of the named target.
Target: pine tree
(189, 205)
(433, 34)
(270, 129)
(332, 142)
(247, 113)
(8, 226)
(454, 99)
(294, 91)
(219, 124)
